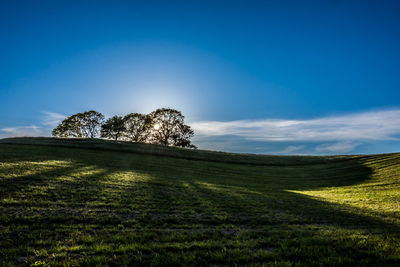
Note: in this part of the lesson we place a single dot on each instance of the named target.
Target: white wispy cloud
(339, 147)
(48, 120)
(325, 135)
(52, 118)
(372, 125)
(20, 131)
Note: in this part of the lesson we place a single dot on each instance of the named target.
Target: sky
(270, 77)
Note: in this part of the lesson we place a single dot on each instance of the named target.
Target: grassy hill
(95, 202)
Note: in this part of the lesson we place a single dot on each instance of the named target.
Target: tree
(113, 128)
(182, 137)
(81, 125)
(136, 127)
(168, 128)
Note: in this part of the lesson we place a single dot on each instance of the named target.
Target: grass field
(83, 202)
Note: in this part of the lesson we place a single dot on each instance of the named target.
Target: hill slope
(93, 202)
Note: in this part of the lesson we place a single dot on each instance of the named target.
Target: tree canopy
(113, 128)
(136, 127)
(164, 126)
(168, 128)
(81, 125)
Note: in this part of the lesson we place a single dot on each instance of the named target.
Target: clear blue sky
(213, 60)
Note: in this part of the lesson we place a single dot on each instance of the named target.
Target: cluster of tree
(163, 126)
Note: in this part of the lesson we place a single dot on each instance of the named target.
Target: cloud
(52, 118)
(49, 120)
(339, 147)
(325, 135)
(20, 131)
(373, 125)
(290, 149)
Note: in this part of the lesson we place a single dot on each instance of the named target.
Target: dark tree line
(163, 126)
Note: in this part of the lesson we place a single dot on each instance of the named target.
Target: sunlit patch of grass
(379, 195)
(29, 168)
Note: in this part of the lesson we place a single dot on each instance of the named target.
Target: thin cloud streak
(21, 131)
(52, 118)
(372, 125)
(49, 120)
(339, 147)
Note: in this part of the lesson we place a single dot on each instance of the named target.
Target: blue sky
(276, 77)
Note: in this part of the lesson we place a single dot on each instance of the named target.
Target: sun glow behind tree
(164, 126)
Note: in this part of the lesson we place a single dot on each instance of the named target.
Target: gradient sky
(276, 77)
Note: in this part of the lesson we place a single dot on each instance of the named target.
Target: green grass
(85, 202)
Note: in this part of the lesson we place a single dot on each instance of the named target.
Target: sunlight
(30, 168)
(157, 126)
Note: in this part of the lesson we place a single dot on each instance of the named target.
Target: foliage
(113, 128)
(136, 127)
(168, 128)
(81, 125)
(163, 126)
(65, 206)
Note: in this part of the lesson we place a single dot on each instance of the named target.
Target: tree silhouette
(167, 128)
(137, 127)
(163, 126)
(81, 125)
(113, 128)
